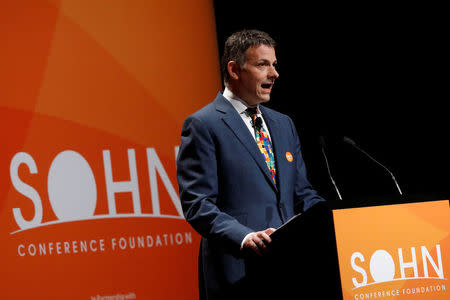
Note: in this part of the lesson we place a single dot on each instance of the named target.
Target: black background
(376, 73)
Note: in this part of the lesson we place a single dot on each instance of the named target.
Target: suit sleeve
(305, 196)
(197, 177)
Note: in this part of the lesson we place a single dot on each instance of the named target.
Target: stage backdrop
(92, 98)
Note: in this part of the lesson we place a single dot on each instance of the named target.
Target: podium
(377, 252)
(301, 260)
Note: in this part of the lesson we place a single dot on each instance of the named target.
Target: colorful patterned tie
(263, 141)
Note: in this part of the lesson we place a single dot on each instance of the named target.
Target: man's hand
(257, 241)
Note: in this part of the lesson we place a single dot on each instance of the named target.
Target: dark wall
(375, 73)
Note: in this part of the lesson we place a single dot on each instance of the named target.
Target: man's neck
(231, 95)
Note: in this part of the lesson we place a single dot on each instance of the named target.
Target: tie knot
(256, 121)
(251, 111)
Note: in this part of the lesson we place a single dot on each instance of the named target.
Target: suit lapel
(240, 130)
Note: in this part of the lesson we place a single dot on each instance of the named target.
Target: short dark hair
(238, 43)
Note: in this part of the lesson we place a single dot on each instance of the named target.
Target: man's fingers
(262, 239)
(269, 231)
(253, 243)
(265, 237)
(258, 241)
(255, 248)
(261, 244)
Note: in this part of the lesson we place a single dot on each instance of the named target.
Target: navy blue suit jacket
(227, 191)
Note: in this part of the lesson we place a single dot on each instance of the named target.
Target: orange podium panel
(394, 251)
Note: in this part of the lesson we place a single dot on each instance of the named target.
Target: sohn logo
(72, 188)
(423, 267)
(383, 267)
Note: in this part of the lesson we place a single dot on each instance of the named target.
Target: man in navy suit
(240, 171)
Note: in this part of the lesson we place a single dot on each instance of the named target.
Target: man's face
(257, 76)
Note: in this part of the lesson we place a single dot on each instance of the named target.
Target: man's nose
(273, 73)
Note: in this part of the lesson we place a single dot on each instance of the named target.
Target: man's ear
(234, 69)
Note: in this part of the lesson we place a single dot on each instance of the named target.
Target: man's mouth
(266, 85)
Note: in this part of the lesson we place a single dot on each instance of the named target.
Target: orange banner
(395, 251)
(92, 99)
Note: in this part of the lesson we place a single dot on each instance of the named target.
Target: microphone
(322, 144)
(257, 124)
(352, 143)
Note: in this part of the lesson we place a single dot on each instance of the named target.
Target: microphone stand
(351, 142)
(322, 144)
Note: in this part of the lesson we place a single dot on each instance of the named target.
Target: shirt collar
(238, 104)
